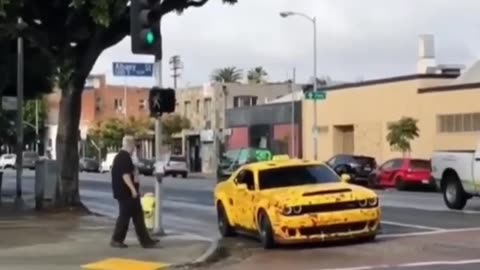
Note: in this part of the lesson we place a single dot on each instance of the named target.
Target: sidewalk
(51, 241)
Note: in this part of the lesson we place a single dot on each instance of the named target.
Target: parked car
(30, 159)
(357, 166)
(89, 165)
(145, 166)
(176, 165)
(457, 174)
(7, 161)
(402, 173)
(107, 163)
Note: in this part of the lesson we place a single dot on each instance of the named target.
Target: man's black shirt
(122, 164)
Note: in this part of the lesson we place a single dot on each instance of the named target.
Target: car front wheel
(265, 231)
(224, 227)
(453, 193)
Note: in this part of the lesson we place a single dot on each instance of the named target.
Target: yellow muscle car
(285, 201)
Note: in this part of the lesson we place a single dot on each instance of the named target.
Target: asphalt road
(416, 227)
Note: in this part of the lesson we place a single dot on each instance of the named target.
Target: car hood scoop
(324, 192)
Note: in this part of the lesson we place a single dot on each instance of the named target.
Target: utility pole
(36, 127)
(177, 65)
(158, 224)
(19, 158)
(292, 90)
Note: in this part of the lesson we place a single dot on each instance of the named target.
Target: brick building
(100, 102)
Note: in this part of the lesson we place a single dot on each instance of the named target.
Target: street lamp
(313, 20)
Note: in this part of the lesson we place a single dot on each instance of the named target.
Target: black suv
(357, 166)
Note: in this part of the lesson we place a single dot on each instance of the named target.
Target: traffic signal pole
(158, 226)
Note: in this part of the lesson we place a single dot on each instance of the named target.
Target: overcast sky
(356, 38)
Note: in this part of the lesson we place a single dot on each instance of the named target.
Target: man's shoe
(151, 243)
(116, 244)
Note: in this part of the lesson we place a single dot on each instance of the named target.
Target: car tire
(265, 231)
(453, 193)
(400, 184)
(224, 227)
(184, 175)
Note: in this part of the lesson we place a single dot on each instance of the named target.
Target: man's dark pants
(130, 209)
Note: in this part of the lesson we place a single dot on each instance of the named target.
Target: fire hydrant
(148, 206)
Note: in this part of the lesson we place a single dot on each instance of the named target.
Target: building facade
(101, 102)
(206, 107)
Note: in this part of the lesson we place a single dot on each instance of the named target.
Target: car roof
(265, 165)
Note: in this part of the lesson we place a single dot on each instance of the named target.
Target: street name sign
(127, 69)
(317, 95)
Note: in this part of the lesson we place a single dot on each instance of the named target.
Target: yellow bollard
(148, 206)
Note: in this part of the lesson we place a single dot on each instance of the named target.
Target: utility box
(47, 182)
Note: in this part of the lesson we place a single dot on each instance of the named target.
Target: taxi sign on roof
(280, 157)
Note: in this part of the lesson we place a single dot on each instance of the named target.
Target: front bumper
(323, 227)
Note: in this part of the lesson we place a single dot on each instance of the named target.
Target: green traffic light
(150, 38)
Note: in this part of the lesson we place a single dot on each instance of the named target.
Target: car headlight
(297, 209)
(287, 210)
(363, 203)
(372, 202)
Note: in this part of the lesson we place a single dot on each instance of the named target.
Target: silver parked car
(176, 165)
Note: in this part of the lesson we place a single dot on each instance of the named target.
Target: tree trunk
(67, 145)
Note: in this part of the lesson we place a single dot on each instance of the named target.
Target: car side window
(331, 162)
(387, 165)
(397, 164)
(246, 177)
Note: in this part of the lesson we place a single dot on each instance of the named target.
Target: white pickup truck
(457, 173)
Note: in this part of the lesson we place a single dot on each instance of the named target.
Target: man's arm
(128, 181)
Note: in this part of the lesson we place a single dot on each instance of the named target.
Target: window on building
(118, 103)
(244, 101)
(197, 106)
(142, 104)
(186, 109)
(207, 105)
(455, 123)
(98, 104)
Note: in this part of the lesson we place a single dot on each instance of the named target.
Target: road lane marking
(125, 264)
(407, 265)
(411, 225)
(443, 231)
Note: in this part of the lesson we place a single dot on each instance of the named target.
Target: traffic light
(161, 101)
(145, 27)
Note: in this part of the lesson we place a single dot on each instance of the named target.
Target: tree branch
(193, 3)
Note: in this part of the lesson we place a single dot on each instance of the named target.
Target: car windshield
(30, 155)
(362, 161)
(419, 164)
(177, 159)
(296, 176)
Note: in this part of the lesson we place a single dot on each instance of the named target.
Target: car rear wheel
(224, 227)
(453, 193)
(265, 231)
(400, 183)
(184, 175)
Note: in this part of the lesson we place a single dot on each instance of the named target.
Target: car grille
(330, 207)
(336, 228)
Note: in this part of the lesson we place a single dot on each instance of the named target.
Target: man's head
(128, 144)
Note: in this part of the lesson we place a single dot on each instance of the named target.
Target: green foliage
(401, 133)
(227, 75)
(172, 124)
(257, 75)
(109, 133)
(8, 118)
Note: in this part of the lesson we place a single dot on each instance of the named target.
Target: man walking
(126, 189)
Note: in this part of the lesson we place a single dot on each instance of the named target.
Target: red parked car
(402, 173)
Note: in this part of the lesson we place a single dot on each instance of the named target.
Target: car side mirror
(345, 178)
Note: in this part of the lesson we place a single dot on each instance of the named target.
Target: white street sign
(9, 103)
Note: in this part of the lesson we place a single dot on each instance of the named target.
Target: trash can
(148, 206)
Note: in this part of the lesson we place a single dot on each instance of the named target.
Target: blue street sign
(132, 69)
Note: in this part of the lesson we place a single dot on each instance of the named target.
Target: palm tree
(257, 75)
(227, 75)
